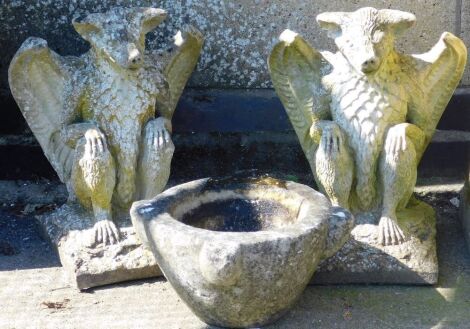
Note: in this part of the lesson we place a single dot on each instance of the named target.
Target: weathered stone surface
(465, 35)
(364, 260)
(70, 231)
(103, 119)
(239, 35)
(240, 252)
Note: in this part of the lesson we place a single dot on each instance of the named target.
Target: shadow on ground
(21, 245)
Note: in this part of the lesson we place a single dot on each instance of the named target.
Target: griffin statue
(365, 114)
(104, 119)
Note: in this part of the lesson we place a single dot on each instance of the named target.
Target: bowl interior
(239, 215)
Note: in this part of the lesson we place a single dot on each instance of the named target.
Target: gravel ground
(34, 292)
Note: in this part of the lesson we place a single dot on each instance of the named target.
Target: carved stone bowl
(240, 252)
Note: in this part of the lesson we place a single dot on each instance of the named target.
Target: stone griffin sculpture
(365, 114)
(104, 119)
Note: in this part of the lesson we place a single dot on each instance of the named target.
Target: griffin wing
(296, 70)
(180, 67)
(38, 80)
(439, 71)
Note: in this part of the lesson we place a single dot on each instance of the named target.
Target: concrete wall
(463, 27)
(239, 34)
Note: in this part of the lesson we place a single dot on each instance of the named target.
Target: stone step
(242, 110)
(218, 131)
(202, 154)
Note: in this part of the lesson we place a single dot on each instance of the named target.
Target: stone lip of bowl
(244, 278)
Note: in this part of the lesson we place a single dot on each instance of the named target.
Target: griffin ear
(85, 27)
(151, 18)
(331, 22)
(398, 20)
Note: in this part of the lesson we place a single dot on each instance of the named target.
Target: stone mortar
(236, 275)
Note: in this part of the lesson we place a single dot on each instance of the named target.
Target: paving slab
(35, 293)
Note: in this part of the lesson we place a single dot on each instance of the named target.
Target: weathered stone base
(69, 228)
(363, 260)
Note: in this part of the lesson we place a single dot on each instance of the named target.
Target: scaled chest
(365, 107)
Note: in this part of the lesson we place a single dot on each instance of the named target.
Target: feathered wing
(180, 67)
(38, 80)
(296, 71)
(439, 71)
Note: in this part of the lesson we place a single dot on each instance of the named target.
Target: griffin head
(119, 34)
(365, 37)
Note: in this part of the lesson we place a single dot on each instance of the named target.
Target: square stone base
(70, 230)
(363, 260)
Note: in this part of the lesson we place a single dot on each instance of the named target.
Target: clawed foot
(106, 232)
(389, 232)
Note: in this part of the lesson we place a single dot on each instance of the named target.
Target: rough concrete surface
(239, 34)
(465, 34)
(35, 294)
